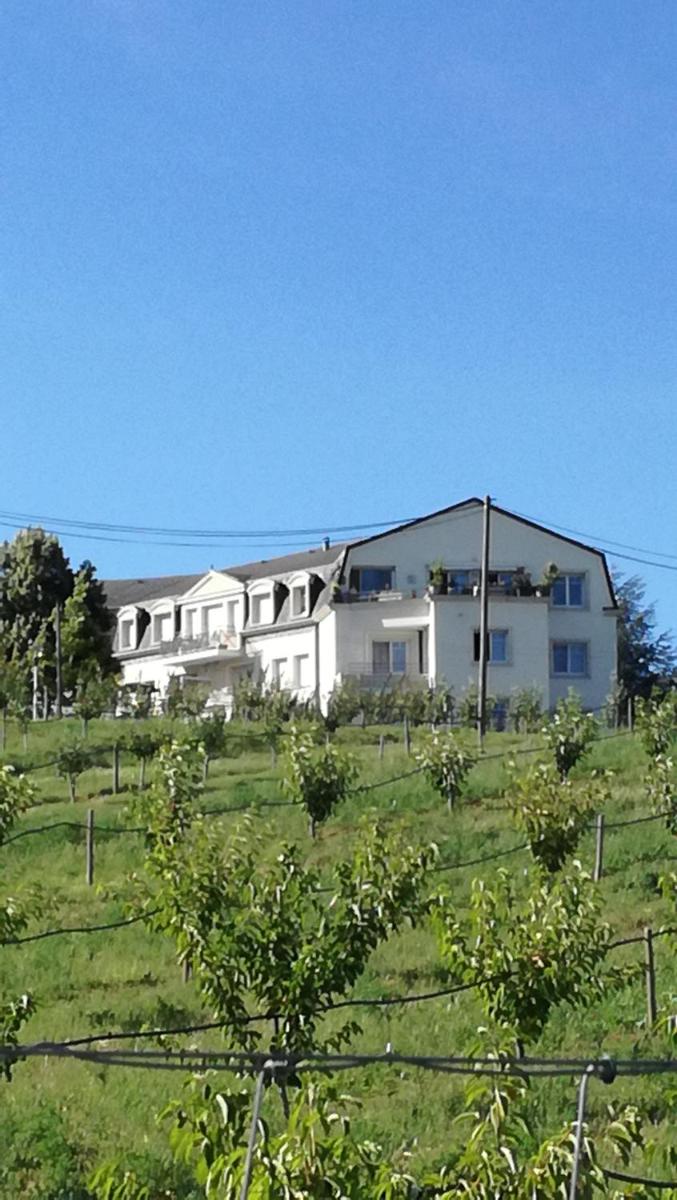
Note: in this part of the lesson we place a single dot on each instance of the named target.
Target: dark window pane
(376, 579)
(560, 658)
(559, 591)
(576, 590)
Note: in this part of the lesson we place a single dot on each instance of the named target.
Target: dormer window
(126, 634)
(299, 600)
(162, 627)
(261, 609)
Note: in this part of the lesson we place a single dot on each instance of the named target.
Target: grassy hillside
(64, 1116)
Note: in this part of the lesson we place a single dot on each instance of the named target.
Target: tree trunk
(24, 733)
(3, 730)
(142, 774)
(311, 827)
(205, 768)
(273, 757)
(71, 788)
(85, 727)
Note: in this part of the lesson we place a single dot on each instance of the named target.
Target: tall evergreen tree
(86, 631)
(646, 659)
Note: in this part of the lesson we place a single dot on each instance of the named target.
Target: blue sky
(272, 265)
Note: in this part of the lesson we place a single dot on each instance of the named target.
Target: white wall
(286, 645)
(456, 619)
(456, 539)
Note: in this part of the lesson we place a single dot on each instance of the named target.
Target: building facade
(397, 607)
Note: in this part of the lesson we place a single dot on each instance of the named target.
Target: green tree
(317, 778)
(86, 631)
(646, 659)
(35, 576)
(16, 794)
(528, 953)
(94, 696)
(445, 763)
(553, 812)
(569, 733)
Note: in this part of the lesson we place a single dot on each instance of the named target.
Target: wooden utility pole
(57, 637)
(484, 625)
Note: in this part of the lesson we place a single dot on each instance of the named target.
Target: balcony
(364, 675)
(204, 647)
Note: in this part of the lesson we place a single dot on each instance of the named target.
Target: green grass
(129, 977)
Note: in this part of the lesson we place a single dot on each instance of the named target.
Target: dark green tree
(646, 659)
(86, 631)
(35, 576)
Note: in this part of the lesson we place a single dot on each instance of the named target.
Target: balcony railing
(219, 639)
(366, 677)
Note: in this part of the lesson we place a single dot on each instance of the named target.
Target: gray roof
(300, 560)
(120, 592)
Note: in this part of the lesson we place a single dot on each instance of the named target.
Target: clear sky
(271, 265)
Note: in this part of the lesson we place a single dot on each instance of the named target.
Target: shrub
(656, 723)
(445, 763)
(546, 948)
(569, 733)
(73, 758)
(317, 778)
(553, 812)
(526, 709)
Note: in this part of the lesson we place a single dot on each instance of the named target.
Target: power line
(170, 531)
(596, 538)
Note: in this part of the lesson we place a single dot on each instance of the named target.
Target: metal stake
(253, 1133)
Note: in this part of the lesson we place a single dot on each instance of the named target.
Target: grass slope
(78, 1114)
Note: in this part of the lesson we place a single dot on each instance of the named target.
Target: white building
(366, 610)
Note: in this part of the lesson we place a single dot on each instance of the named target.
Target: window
(461, 582)
(231, 612)
(389, 658)
(301, 670)
(191, 614)
(497, 646)
(126, 628)
(259, 611)
(568, 591)
(569, 658)
(212, 616)
(162, 627)
(372, 579)
(298, 600)
(278, 669)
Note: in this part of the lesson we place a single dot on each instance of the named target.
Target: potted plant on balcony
(335, 593)
(438, 578)
(521, 582)
(544, 585)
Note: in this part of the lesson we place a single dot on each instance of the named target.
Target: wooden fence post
(381, 746)
(599, 848)
(650, 970)
(116, 768)
(407, 737)
(186, 970)
(89, 847)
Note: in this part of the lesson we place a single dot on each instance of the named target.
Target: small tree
(656, 722)
(344, 705)
(318, 779)
(526, 709)
(528, 953)
(553, 812)
(570, 733)
(445, 763)
(210, 735)
(186, 698)
(143, 744)
(93, 697)
(73, 758)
